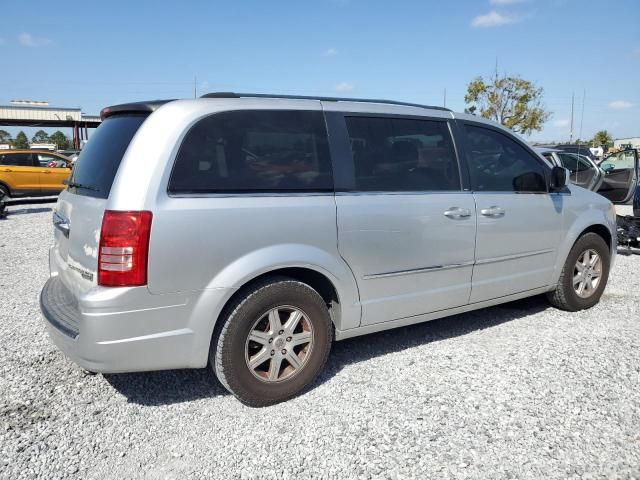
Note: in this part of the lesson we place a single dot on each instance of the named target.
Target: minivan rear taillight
(124, 245)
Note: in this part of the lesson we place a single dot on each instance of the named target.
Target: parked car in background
(622, 174)
(584, 171)
(72, 154)
(615, 177)
(249, 231)
(32, 173)
(579, 149)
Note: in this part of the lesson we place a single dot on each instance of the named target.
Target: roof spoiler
(135, 107)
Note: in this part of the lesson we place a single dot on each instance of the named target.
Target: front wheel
(584, 275)
(273, 343)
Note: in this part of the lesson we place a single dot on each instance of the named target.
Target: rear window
(254, 151)
(98, 163)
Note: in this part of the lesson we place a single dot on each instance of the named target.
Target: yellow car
(32, 173)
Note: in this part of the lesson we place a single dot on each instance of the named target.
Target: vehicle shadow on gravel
(176, 386)
(167, 386)
(363, 348)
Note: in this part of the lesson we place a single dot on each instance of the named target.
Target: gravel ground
(515, 391)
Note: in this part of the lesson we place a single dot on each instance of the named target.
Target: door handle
(493, 212)
(46, 171)
(457, 213)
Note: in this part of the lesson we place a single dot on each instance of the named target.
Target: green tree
(603, 139)
(513, 102)
(40, 137)
(61, 140)
(5, 137)
(21, 140)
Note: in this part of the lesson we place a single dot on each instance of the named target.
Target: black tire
(229, 343)
(4, 192)
(564, 295)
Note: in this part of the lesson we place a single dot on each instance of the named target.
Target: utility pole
(195, 87)
(444, 103)
(571, 130)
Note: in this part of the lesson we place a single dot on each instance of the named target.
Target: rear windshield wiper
(71, 183)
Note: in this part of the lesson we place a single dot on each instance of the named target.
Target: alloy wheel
(587, 273)
(279, 344)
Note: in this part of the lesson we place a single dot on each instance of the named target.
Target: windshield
(619, 161)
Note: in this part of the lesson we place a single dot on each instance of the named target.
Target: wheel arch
(324, 270)
(5, 185)
(600, 228)
(316, 279)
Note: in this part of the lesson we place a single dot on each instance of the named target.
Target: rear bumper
(60, 308)
(102, 331)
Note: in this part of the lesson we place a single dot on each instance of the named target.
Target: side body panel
(517, 251)
(582, 209)
(408, 257)
(21, 179)
(517, 231)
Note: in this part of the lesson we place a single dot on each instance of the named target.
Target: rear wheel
(273, 343)
(584, 275)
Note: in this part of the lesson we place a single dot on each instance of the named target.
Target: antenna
(571, 130)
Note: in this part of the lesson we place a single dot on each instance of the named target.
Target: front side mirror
(559, 178)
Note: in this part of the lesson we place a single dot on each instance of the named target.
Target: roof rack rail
(326, 99)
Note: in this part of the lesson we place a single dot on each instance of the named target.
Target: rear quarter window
(98, 163)
(254, 151)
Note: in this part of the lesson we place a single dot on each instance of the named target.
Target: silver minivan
(249, 232)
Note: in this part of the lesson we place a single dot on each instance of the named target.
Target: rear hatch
(80, 208)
